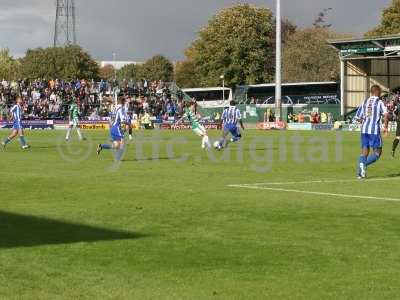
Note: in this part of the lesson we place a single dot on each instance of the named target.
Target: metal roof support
(371, 57)
(342, 86)
(376, 43)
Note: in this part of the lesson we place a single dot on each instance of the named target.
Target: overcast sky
(136, 30)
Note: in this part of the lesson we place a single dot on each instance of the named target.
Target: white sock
(79, 133)
(68, 134)
(207, 141)
(203, 142)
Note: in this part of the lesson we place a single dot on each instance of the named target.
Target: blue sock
(7, 141)
(373, 158)
(106, 146)
(118, 154)
(22, 140)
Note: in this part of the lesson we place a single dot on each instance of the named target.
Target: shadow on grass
(265, 149)
(28, 231)
(148, 159)
(392, 176)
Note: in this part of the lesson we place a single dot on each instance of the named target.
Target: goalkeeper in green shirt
(73, 114)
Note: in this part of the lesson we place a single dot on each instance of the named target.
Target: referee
(396, 117)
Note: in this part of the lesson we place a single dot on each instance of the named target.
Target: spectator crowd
(311, 117)
(50, 99)
(391, 101)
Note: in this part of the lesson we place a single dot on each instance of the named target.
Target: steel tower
(65, 24)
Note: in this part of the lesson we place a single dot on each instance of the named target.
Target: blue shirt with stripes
(126, 113)
(16, 112)
(231, 115)
(370, 113)
(119, 116)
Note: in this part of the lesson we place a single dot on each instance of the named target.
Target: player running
(370, 115)
(396, 117)
(191, 115)
(74, 121)
(128, 114)
(230, 119)
(16, 114)
(117, 136)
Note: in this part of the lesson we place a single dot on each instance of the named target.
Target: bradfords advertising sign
(62, 125)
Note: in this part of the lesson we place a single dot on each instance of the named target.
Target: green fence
(253, 114)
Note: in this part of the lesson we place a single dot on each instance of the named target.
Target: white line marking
(252, 187)
(323, 181)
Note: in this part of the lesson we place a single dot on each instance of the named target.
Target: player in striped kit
(396, 117)
(230, 119)
(191, 115)
(74, 121)
(370, 115)
(16, 113)
(128, 115)
(118, 120)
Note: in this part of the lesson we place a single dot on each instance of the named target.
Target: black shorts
(398, 128)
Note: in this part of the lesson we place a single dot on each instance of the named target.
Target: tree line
(72, 62)
(238, 42)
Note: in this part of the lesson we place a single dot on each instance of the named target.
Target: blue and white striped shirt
(231, 115)
(16, 112)
(370, 113)
(119, 116)
(126, 112)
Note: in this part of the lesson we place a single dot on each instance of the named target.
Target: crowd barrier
(168, 125)
(271, 125)
(105, 125)
(187, 126)
(36, 124)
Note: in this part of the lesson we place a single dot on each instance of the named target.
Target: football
(217, 145)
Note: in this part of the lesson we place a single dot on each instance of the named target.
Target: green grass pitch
(186, 226)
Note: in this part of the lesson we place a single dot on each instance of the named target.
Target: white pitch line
(252, 187)
(324, 181)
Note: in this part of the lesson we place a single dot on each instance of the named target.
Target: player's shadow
(393, 175)
(27, 231)
(147, 159)
(267, 148)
